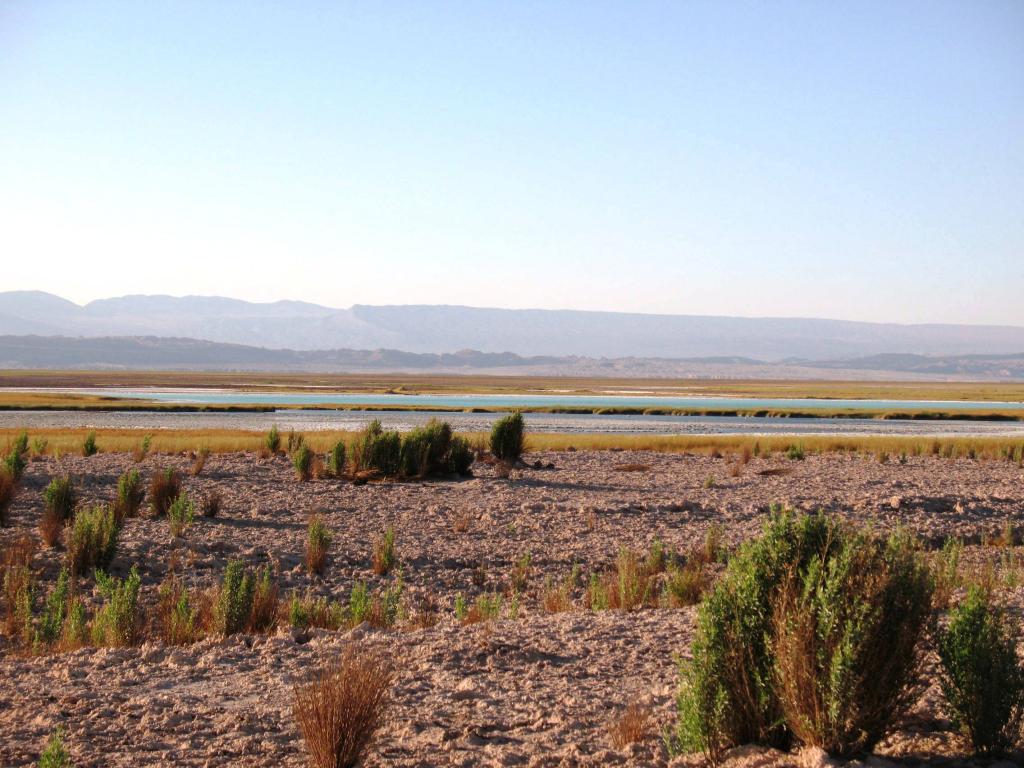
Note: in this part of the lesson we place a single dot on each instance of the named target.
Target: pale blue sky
(855, 160)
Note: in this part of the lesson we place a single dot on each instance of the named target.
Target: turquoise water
(208, 397)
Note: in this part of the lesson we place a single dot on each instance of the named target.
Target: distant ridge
(301, 326)
(150, 352)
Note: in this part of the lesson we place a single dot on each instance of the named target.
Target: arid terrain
(543, 688)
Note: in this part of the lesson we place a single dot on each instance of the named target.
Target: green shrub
(295, 441)
(20, 444)
(89, 447)
(315, 612)
(425, 449)
(508, 438)
(846, 640)
(164, 488)
(39, 445)
(795, 452)
(51, 624)
(56, 755)
(318, 541)
(178, 619)
(14, 464)
(336, 459)
(130, 494)
(302, 460)
(460, 456)
(234, 603)
(377, 449)
(981, 677)
(118, 621)
(272, 440)
(743, 686)
(180, 515)
(59, 497)
(92, 540)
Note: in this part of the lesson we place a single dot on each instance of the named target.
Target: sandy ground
(541, 690)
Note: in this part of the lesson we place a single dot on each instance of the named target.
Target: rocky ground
(540, 689)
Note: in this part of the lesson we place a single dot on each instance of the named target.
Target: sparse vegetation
(982, 678)
(340, 708)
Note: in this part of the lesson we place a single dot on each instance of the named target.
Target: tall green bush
(234, 604)
(508, 438)
(118, 622)
(93, 539)
(982, 678)
(336, 459)
(59, 497)
(377, 449)
(811, 632)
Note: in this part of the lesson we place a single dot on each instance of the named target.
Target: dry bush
(212, 503)
(164, 488)
(16, 580)
(8, 488)
(460, 523)
(632, 467)
(632, 726)
(340, 708)
(735, 469)
(558, 598)
(50, 527)
(199, 462)
(745, 455)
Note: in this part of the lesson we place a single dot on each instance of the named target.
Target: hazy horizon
(856, 162)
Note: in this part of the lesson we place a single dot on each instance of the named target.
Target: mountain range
(438, 329)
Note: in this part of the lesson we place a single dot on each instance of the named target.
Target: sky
(856, 160)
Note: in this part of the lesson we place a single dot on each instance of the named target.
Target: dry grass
(164, 488)
(199, 462)
(15, 580)
(341, 707)
(631, 727)
(212, 502)
(632, 467)
(8, 489)
(227, 441)
(50, 527)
